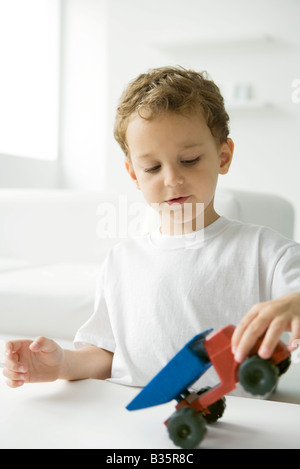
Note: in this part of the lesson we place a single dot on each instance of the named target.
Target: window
(29, 78)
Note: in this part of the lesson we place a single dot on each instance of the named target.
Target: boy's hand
(272, 318)
(28, 361)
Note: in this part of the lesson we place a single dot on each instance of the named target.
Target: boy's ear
(131, 172)
(226, 154)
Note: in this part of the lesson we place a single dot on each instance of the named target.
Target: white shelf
(217, 44)
(245, 105)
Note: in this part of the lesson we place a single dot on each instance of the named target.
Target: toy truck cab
(187, 426)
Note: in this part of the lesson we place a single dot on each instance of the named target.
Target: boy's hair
(175, 90)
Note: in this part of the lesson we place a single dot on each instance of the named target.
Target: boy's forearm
(89, 362)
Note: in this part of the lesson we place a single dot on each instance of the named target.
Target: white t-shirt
(157, 292)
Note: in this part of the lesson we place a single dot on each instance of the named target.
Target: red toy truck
(187, 426)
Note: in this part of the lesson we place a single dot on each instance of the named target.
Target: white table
(92, 414)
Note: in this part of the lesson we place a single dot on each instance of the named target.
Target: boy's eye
(191, 162)
(154, 169)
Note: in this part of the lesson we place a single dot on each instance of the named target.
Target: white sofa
(52, 243)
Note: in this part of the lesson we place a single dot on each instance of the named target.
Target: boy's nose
(173, 177)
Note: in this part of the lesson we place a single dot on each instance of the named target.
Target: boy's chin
(183, 214)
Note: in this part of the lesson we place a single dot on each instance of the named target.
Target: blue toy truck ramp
(187, 366)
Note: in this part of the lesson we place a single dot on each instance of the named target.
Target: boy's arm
(87, 362)
(271, 318)
(43, 360)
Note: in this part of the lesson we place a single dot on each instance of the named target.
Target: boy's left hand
(272, 318)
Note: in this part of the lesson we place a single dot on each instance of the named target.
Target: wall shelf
(216, 44)
(247, 105)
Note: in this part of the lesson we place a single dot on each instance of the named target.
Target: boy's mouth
(177, 200)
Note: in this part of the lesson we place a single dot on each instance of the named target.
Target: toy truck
(187, 426)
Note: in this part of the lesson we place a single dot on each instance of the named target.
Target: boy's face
(175, 161)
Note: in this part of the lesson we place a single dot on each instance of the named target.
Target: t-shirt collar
(187, 241)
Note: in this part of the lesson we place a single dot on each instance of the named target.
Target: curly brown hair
(172, 89)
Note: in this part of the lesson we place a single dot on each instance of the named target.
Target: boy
(157, 291)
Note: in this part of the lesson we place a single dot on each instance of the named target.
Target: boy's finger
(43, 344)
(295, 335)
(14, 376)
(8, 349)
(271, 338)
(11, 357)
(14, 365)
(242, 327)
(14, 384)
(253, 332)
(12, 347)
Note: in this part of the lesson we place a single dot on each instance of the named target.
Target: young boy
(157, 291)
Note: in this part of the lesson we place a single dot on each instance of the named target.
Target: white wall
(106, 43)
(83, 107)
(83, 94)
(228, 39)
(27, 172)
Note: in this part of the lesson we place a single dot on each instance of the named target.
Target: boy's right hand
(28, 361)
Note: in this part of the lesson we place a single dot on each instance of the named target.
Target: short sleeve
(286, 277)
(97, 329)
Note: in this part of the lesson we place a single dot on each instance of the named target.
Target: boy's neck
(178, 229)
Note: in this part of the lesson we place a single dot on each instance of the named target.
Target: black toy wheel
(258, 376)
(284, 365)
(186, 428)
(216, 409)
